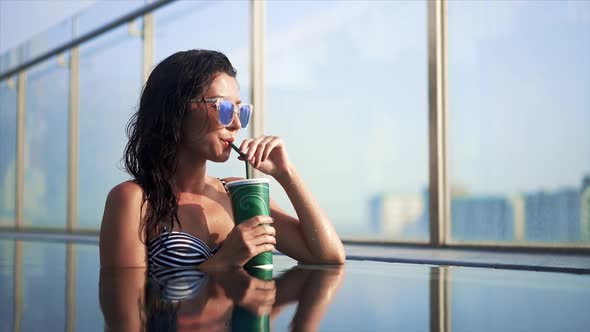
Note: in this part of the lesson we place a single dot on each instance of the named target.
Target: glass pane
(51, 38)
(44, 285)
(6, 285)
(47, 40)
(8, 115)
(519, 120)
(346, 87)
(9, 59)
(46, 130)
(185, 25)
(104, 12)
(88, 311)
(110, 85)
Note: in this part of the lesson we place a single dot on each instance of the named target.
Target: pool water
(58, 286)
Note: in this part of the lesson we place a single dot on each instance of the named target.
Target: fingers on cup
(258, 249)
(264, 239)
(265, 284)
(256, 221)
(266, 247)
(266, 230)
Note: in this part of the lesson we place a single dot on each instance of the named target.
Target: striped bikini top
(178, 249)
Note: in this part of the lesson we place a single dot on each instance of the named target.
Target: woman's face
(202, 135)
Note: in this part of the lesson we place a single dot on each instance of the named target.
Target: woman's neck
(190, 175)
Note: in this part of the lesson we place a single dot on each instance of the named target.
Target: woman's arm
(121, 294)
(121, 244)
(312, 238)
(320, 291)
(313, 289)
(313, 230)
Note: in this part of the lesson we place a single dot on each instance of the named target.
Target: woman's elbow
(339, 259)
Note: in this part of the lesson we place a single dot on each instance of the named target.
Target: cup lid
(247, 181)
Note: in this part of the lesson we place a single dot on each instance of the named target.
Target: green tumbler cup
(243, 320)
(249, 198)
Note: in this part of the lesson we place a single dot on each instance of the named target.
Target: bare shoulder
(126, 198)
(126, 191)
(123, 202)
(120, 227)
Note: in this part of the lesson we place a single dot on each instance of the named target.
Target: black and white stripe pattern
(178, 249)
(178, 284)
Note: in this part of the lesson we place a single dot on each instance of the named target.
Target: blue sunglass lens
(226, 113)
(245, 113)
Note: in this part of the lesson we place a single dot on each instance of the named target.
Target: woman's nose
(235, 123)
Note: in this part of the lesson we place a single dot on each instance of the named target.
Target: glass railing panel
(8, 116)
(46, 144)
(346, 88)
(519, 121)
(110, 86)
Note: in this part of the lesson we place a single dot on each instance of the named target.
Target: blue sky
(20, 20)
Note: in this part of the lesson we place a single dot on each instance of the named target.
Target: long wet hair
(155, 130)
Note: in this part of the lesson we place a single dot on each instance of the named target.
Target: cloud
(577, 12)
(472, 23)
(367, 30)
(386, 34)
(294, 52)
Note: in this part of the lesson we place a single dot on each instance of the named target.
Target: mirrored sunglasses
(226, 110)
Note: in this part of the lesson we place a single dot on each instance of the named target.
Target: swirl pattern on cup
(252, 197)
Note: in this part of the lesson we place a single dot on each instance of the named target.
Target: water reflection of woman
(210, 307)
(172, 214)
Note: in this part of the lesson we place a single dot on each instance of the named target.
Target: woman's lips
(226, 141)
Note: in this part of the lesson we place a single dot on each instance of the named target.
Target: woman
(172, 213)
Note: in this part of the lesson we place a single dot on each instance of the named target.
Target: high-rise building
(491, 218)
(553, 216)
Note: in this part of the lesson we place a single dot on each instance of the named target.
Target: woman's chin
(221, 158)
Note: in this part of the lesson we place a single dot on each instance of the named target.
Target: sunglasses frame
(218, 101)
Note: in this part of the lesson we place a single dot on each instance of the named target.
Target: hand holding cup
(247, 240)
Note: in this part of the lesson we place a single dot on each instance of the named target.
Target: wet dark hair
(155, 130)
